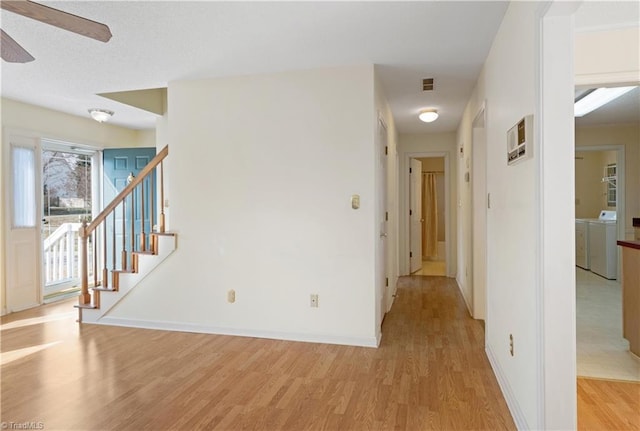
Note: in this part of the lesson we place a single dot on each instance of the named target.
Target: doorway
(602, 143)
(69, 189)
(427, 216)
(601, 350)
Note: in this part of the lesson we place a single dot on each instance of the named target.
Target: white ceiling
(607, 15)
(624, 109)
(157, 42)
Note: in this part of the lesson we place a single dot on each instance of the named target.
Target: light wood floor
(432, 267)
(608, 405)
(430, 373)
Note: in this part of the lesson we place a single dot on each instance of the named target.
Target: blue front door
(119, 164)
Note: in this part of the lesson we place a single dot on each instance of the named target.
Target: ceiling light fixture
(598, 98)
(428, 115)
(100, 115)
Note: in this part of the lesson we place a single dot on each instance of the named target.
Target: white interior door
(23, 224)
(415, 215)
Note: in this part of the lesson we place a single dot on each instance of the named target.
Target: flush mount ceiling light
(428, 115)
(100, 115)
(597, 98)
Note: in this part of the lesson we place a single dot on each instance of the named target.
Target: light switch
(355, 201)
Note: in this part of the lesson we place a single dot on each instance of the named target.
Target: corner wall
(508, 85)
(262, 172)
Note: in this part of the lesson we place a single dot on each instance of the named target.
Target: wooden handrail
(125, 192)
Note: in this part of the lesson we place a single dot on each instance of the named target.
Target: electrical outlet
(231, 296)
(314, 300)
(511, 344)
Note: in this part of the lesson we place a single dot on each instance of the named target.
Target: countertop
(629, 243)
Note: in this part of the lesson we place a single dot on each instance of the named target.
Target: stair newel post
(143, 242)
(161, 223)
(85, 297)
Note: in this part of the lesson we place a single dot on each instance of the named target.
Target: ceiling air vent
(427, 84)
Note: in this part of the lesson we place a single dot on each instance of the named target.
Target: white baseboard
(512, 402)
(209, 329)
(469, 309)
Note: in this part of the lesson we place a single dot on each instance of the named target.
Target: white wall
(57, 125)
(428, 145)
(511, 220)
(35, 121)
(607, 56)
(508, 86)
(262, 172)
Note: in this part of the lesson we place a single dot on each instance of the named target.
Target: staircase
(125, 251)
(123, 281)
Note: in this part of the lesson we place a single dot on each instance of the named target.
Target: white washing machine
(582, 243)
(603, 250)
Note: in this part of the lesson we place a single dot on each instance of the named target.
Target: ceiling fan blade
(58, 18)
(12, 52)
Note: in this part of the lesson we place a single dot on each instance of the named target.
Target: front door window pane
(24, 187)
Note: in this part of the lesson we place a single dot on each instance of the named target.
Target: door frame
(405, 204)
(47, 144)
(479, 203)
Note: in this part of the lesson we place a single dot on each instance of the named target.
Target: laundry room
(607, 199)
